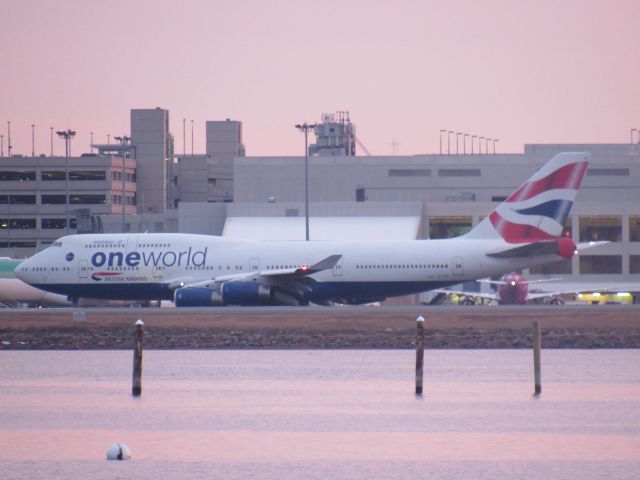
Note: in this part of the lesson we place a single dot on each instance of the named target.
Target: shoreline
(320, 328)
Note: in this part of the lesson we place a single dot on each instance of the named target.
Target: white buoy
(118, 451)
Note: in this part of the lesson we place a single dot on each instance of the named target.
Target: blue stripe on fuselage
(320, 291)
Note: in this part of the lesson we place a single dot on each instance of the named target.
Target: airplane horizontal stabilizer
(528, 250)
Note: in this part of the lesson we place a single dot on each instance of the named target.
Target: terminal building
(223, 192)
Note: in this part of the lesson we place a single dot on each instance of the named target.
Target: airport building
(223, 192)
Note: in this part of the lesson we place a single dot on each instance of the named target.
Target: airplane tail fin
(538, 209)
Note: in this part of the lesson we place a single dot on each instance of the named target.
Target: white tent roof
(323, 228)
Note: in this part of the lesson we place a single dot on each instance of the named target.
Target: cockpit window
(56, 244)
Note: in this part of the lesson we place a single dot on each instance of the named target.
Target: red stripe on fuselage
(569, 176)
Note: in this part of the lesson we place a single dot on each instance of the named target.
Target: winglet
(326, 264)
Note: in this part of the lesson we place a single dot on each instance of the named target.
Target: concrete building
(153, 152)
(224, 145)
(33, 207)
(208, 177)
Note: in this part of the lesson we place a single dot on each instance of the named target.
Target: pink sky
(544, 71)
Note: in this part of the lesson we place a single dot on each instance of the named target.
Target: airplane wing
(264, 277)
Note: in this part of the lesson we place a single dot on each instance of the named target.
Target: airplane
(512, 289)
(202, 270)
(14, 292)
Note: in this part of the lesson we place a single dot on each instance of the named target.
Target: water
(321, 414)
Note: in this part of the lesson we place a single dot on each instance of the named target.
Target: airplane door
(458, 266)
(83, 269)
(337, 269)
(254, 264)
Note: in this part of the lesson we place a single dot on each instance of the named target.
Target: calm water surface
(321, 414)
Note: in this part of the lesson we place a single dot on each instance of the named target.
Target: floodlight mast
(67, 135)
(305, 127)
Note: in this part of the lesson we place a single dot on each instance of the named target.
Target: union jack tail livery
(537, 210)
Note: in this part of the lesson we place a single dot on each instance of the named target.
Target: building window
(409, 172)
(57, 223)
(53, 199)
(17, 176)
(212, 182)
(634, 263)
(458, 172)
(17, 223)
(88, 199)
(291, 212)
(555, 268)
(595, 264)
(634, 229)
(448, 227)
(53, 175)
(17, 244)
(22, 199)
(498, 198)
(601, 228)
(87, 175)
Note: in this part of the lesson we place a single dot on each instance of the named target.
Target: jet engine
(231, 293)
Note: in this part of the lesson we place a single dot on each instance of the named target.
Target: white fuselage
(148, 266)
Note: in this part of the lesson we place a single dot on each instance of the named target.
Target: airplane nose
(23, 270)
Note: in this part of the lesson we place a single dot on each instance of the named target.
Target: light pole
(33, 140)
(472, 137)
(441, 132)
(480, 145)
(494, 145)
(305, 127)
(464, 143)
(124, 140)
(67, 135)
(457, 135)
(9, 138)
(91, 134)
(192, 138)
(1, 145)
(632, 130)
(51, 129)
(449, 132)
(486, 145)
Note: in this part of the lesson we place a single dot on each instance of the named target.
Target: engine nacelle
(231, 293)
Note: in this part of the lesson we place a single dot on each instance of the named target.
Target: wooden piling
(419, 353)
(537, 342)
(136, 386)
